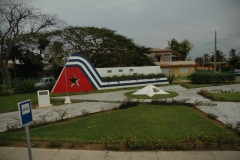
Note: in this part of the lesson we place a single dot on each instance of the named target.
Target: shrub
(205, 93)
(4, 91)
(54, 143)
(128, 103)
(212, 116)
(211, 77)
(134, 76)
(171, 78)
(62, 113)
(24, 86)
(111, 143)
(85, 113)
(172, 102)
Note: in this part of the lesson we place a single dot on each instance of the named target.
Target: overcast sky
(153, 22)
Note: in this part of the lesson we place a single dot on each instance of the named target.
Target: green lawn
(9, 103)
(190, 85)
(234, 96)
(142, 121)
(157, 96)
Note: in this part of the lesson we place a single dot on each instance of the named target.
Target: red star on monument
(74, 81)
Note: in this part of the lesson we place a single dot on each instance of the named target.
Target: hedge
(211, 77)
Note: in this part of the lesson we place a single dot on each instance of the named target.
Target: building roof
(160, 50)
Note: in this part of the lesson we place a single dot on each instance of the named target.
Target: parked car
(236, 72)
(44, 81)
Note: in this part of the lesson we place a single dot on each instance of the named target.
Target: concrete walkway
(12, 153)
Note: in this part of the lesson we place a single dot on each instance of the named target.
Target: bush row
(188, 142)
(134, 76)
(24, 86)
(211, 77)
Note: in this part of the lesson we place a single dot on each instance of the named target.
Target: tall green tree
(199, 60)
(181, 48)
(206, 59)
(104, 47)
(234, 59)
(19, 22)
(232, 53)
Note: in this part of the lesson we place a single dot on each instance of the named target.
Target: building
(171, 63)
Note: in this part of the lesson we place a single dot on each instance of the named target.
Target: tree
(181, 48)
(184, 47)
(205, 59)
(19, 22)
(199, 60)
(234, 59)
(232, 53)
(104, 47)
(174, 45)
(56, 48)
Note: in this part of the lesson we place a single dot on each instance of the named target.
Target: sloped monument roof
(150, 90)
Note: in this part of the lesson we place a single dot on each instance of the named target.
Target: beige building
(171, 63)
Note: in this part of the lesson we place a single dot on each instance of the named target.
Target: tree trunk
(6, 76)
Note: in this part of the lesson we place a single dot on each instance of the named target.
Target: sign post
(25, 111)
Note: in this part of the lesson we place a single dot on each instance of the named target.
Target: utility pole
(215, 51)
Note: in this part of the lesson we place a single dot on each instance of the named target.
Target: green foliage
(229, 125)
(205, 93)
(132, 142)
(85, 113)
(71, 144)
(5, 91)
(62, 113)
(24, 85)
(54, 143)
(144, 121)
(134, 76)
(171, 78)
(122, 50)
(210, 77)
(111, 143)
(35, 144)
(212, 116)
(5, 142)
(127, 103)
(14, 125)
(171, 102)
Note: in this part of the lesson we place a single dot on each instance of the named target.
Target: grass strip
(233, 96)
(142, 121)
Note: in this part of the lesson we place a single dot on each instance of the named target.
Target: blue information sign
(25, 110)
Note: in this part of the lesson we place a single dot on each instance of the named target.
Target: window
(120, 70)
(109, 71)
(166, 57)
(130, 70)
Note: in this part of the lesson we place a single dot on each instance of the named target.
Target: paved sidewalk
(13, 153)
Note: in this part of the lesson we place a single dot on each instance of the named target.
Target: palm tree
(232, 53)
(205, 59)
(184, 48)
(220, 57)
